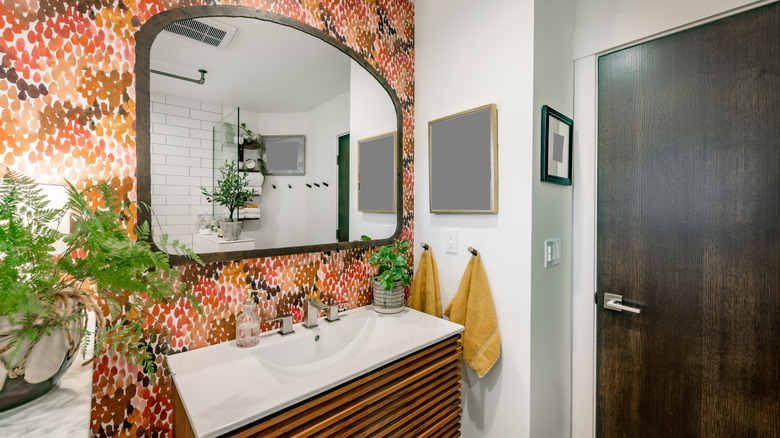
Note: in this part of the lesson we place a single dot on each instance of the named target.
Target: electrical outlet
(552, 252)
(451, 243)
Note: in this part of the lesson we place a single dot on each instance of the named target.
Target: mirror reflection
(267, 88)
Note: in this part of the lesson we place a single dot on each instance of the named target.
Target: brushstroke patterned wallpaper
(67, 106)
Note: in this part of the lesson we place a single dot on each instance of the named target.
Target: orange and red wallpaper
(67, 111)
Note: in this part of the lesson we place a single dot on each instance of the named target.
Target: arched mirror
(310, 99)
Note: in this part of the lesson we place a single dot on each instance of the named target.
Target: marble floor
(62, 412)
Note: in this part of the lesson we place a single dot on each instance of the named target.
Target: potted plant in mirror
(391, 277)
(44, 295)
(253, 140)
(232, 191)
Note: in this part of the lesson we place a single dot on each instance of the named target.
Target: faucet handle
(316, 303)
(285, 324)
(333, 311)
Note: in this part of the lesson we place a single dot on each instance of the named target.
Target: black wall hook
(316, 184)
(308, 185)
(325, 184)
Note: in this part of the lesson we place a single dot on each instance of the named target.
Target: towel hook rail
(473, 251)
(425, 245)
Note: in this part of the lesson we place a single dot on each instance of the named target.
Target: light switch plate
(552, 252)
(451, 243)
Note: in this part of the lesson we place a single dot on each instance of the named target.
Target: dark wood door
(342, 233)
(689, 233)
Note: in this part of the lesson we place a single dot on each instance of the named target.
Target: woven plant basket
(388, 301)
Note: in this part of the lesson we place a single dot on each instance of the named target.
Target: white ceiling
(266, 68)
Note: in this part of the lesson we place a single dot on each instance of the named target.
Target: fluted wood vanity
(416, 393)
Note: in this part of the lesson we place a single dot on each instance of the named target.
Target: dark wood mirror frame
(144, 39)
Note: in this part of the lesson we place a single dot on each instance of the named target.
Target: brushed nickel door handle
(615, 302)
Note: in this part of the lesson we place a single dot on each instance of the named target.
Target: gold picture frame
(377, 173)
(463, 162)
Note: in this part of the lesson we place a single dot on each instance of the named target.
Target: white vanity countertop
(209, 243)
(224, 387)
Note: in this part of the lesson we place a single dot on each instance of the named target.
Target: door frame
(594, 41)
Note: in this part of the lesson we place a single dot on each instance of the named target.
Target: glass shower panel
(225, 148)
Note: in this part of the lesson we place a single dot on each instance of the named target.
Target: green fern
(26, 244)
(126, 273)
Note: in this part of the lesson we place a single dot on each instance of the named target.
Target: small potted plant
(249, 138)
(252, 140)
(232, 191)
(44, 294)
(392, 276)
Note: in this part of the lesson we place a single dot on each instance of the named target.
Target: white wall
(293, 214)
(282, 209)
(552, 218)
(182, 161)
(309, 215)
(607, 24)
(601, 26)
(372, 113)
(181, 145)
(326, 123)
(470, 54)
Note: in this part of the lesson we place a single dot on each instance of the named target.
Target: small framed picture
(557, 132)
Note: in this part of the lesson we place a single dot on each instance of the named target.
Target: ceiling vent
(204, 30)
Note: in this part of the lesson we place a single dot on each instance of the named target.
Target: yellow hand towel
(425, 288)
(473, 308)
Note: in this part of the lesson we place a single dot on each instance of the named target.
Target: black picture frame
(557, 133)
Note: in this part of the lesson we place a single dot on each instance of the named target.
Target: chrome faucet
(285, 324)
(311, 310)
(332, 315)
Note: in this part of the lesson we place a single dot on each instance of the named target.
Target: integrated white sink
(224, 387)
(317, 347)
(330, 345)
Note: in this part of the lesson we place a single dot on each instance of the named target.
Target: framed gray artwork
(556, 147)
(463, 162)
(377, 173)
(284, 154)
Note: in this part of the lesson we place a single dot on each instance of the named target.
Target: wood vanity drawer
(418, 395)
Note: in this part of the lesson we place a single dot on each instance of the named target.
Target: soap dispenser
(248, 324)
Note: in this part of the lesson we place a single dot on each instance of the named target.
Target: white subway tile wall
(181, 162)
